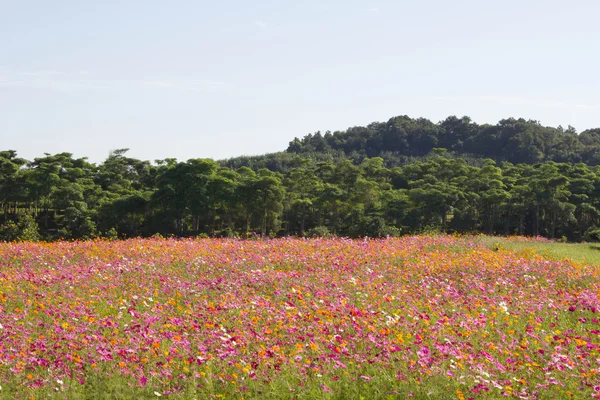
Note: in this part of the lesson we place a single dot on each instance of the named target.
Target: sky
(217, 79)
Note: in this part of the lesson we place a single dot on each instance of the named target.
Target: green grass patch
(588, 253)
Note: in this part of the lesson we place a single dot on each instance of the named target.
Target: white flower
(157, 394)
(59, 382)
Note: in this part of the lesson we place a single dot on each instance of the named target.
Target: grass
(587, 253)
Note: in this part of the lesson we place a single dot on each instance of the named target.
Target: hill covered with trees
(403, 140)
(513, 140)
(403, 176)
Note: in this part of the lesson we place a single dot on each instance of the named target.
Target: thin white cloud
(545, 103)
(43, 73)
(63, 85)
(373, 10)
(523, 101)
(184, 84)
(67, 82)
(451, 98)
(261, 24)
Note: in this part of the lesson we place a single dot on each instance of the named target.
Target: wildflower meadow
(431, 317)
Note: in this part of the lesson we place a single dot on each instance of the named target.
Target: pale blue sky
(217, 79)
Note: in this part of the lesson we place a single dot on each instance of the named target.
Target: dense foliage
(402, 138)
(426, 317)
(329, 187)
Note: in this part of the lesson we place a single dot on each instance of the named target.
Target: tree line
(61, 197)
(402, 138)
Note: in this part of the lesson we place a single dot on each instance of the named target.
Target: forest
(386, 179)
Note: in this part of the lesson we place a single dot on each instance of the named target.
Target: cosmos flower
(229, 317)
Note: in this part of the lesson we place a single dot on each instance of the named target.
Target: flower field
(424, 317)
